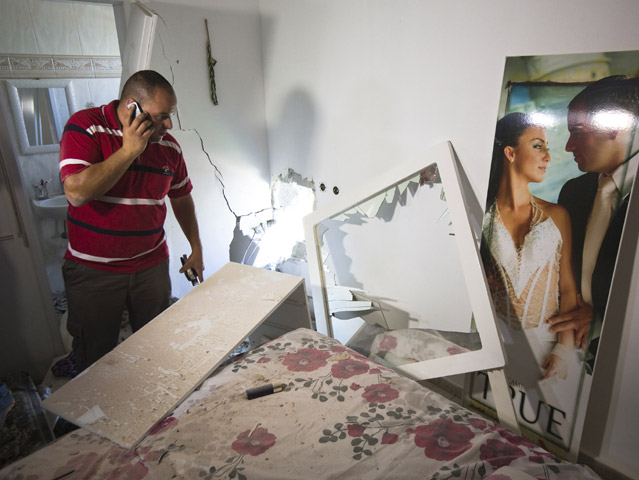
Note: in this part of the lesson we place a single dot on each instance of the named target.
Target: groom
(602, 122)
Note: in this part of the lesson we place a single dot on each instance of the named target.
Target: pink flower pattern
(514, 439)
(164, 425)
(456, 350)
(254, 443)
(355, 430)
(442, 439)
(348, 368)
(388, 343)
(306, 360)
(380, 393)
(389, 438)
(383, 422)
(477, 423)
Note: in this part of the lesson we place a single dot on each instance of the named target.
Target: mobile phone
(136, 106)
(190, 274)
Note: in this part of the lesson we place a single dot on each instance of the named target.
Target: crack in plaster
(218, 174)
(259, 229)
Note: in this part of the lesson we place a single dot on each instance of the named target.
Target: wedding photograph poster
(563, 165)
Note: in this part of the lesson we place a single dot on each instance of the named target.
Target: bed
(340, 415)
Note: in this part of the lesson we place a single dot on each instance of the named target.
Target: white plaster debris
(168, 372)
(131, 358)
(94, 414)
(203, 327)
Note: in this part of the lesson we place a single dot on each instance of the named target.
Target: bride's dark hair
(507, 134)
(509, 129)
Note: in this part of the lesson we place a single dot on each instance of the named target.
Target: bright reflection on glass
(544, 119)
(398, 308)
(613, 120)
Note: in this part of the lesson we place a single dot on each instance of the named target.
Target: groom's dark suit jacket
(578, 196)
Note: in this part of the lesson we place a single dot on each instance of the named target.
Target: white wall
(354, 86)
(46, 27)
(362, 84)
(225, 144)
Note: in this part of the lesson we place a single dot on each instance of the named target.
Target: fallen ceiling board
(125, 393)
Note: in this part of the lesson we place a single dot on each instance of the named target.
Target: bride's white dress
(525, 293)
(527, 290)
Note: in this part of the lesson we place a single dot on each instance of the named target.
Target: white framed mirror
(425, 312)
(40, 109)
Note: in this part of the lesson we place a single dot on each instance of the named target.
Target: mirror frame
(18, 118)
(491, 355)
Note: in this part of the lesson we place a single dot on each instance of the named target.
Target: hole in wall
(274, 238)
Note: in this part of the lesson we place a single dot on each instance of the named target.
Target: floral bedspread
(340, 415)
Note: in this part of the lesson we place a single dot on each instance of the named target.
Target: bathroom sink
(53, 207)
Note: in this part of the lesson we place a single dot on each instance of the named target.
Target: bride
(527, 250)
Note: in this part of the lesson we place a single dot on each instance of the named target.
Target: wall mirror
(40, 109)
(425, 312)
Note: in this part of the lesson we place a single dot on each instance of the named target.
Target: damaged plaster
(273, 237)
(235, 156)
(264, 228)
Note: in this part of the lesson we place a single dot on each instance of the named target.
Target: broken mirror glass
(386, 299)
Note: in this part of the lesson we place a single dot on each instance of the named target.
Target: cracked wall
(273, 238)
(243, 215)
(225, 146)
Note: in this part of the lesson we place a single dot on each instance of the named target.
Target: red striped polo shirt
(123, 230)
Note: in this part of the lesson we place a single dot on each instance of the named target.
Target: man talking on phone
(118, 164)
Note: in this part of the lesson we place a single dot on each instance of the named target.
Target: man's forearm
(94, 181)
(99, 178)
(184, 210)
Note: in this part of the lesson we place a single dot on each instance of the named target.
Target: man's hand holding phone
(136, 108)
(135, 134)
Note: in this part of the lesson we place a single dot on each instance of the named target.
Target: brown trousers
(96, 301)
